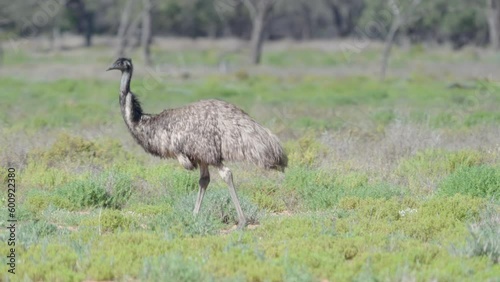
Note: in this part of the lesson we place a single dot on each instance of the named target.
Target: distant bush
(482, 118)
(77, 150)
(444, 120)
(480, 181)
(242, 74)
(383, 118)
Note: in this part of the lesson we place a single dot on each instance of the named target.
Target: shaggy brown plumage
(204, 133)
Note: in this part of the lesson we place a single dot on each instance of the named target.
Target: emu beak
(112, 67)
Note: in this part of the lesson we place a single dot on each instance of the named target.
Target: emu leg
(227, 175)
(204, 180)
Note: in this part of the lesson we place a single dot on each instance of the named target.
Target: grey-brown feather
(208, 131)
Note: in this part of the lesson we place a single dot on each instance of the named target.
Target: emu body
(201, 134)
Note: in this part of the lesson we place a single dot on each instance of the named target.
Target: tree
(399, 18)
(493, 17)
(260, 11)
(146, 34)
(129, 33)
(345, 15)
(84, 18)
(122, 29)
(300, 19)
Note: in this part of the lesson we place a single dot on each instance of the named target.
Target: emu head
(123, 64)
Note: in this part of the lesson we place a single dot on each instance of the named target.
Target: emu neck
(130, 105)
(125, 82)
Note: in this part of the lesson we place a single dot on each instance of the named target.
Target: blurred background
(388, 109)
(239, 29)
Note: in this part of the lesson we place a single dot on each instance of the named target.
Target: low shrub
(319, 189)
(267, 193)
(172, 267)
(484, 237)
(33, 231)
(423, 221)
(441, 215)
(424, 170)
(77, 150)
(305, 152)
(36, 201)
(44, 177)
(479, 181)
(51, 262)
(297, 273)
(108, 189)
(111, 220)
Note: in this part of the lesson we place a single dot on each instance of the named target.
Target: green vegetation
(394, 181)
(481, 181)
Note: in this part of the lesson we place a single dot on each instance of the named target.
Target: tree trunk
(262, 8)
(122, 29)
(89, 28)
(146, 32)
(389, 42)
(56, 38)
(257, 39)
(1, 54)
(134, 32)
(306, 32)
(399, 18)
(341, 19)
(493, 16)
(85, 19)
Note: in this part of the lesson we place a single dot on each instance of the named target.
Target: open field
(387, 181)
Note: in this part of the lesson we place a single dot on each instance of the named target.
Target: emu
(202, 134)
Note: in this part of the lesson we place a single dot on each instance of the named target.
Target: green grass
(394, 181)
(481, 181)
(67, 103)
(352, 237)
(339, 221)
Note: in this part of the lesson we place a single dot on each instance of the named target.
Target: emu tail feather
(253, 143)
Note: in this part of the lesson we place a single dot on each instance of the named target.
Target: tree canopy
(459, 22)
